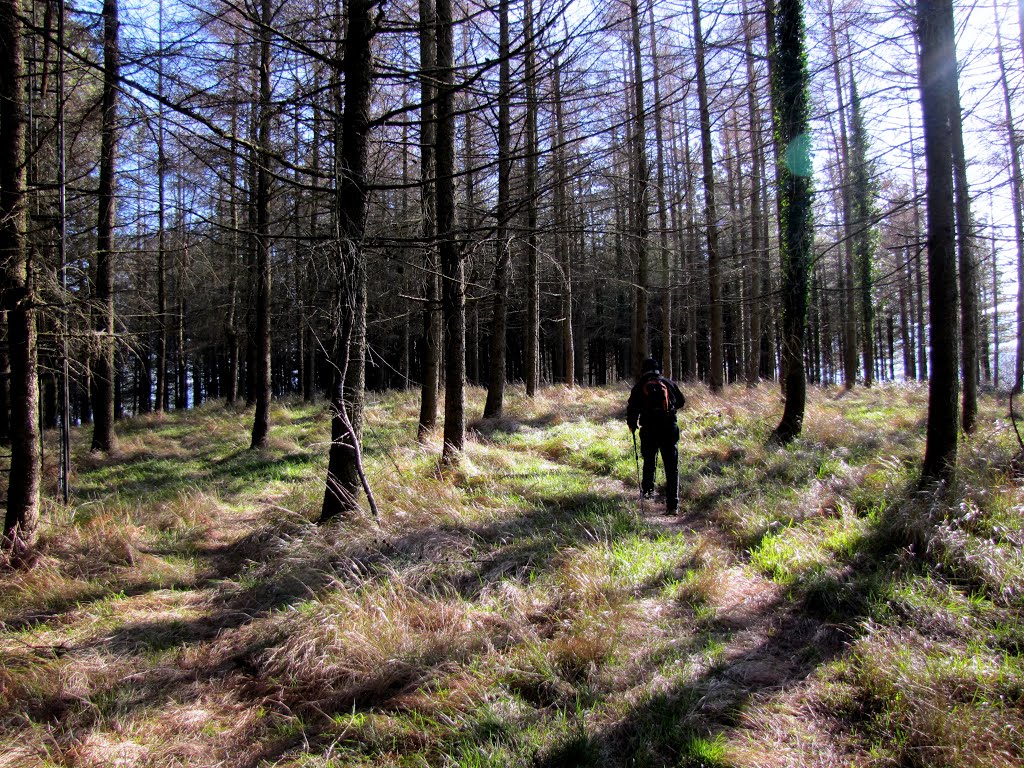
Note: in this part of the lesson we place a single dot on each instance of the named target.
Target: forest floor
(810, 606)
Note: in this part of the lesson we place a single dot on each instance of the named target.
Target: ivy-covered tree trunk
(790, 86)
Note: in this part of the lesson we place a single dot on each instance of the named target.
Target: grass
(810, 606)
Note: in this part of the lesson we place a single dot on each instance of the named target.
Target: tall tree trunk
(453, 297)
(344, 469)
(790, 88)
(641, 204)
(431, 358)
(231, 323)
(906, 315)
(162, 397)
(261, 417)
(922, 347)
(691, 250)
(938, 82)
(1017, 198)
(502, 263)
(862, 208)
(21, 519)
(995, 312)
(667, 362)
(756, 257)
(5, 383)
(715, 369)
(532, 242)
(562, 233)
(849, 302)
(968, 274)
(103, 438)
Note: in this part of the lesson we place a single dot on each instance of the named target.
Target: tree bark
(937, 77)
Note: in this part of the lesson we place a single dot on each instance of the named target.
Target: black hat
(650, 365)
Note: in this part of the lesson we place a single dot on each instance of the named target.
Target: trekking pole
(639, 485)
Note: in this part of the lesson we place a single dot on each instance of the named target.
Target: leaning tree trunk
(938, 82)
(790, 85)
(21, 519)
(103, 438)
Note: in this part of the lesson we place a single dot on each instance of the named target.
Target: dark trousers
(662, 439)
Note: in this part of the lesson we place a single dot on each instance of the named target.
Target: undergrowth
(811, 605)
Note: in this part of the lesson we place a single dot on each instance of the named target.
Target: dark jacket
(635, 405)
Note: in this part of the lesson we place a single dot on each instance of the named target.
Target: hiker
(653, 403)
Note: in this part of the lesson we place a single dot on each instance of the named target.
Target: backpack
(657, 400)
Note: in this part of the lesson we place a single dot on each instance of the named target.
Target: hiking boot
(670, 512)
(648, 495)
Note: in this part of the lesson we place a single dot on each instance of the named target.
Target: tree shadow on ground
(793, 635)
(251, 578)
(172, 657)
